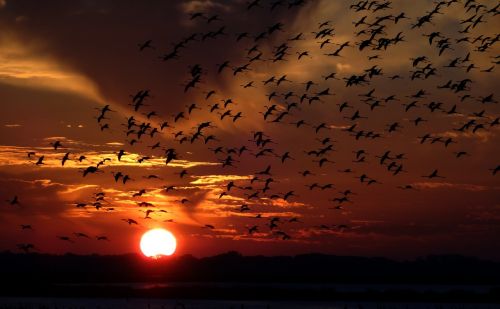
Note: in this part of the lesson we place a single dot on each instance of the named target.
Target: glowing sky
(61, 62)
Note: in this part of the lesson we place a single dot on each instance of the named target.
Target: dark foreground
(312, 280)
(137, 303)
(266, 292)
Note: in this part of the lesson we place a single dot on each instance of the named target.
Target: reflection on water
(137, 303)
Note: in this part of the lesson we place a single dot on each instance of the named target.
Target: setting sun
(158, 242)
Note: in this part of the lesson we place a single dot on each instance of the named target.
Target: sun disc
(158, 242)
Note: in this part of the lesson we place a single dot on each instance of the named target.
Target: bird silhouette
(130, 221)
(13, 201)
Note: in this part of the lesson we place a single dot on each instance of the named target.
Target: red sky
(61, 62)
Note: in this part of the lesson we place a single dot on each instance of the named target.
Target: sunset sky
(61, 62)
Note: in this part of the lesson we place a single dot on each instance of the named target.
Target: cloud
(454, 186)
(216, 179)
(17, 155)
(22, 66)
(482, 136)
(193, 6)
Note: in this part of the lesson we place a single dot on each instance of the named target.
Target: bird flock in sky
(439, 90)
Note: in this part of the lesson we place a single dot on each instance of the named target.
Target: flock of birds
(377, 29)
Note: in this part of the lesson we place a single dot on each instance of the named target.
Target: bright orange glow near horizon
(158, 242)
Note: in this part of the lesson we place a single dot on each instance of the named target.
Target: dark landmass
(233, 276)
